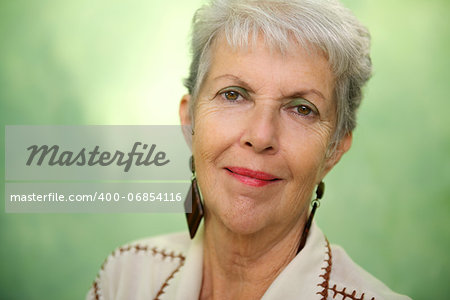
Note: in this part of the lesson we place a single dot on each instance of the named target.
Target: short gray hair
(327, 25)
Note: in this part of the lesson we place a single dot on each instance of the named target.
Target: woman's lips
(251, 177)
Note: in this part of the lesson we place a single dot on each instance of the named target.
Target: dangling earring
(315, 204)
(193, 200)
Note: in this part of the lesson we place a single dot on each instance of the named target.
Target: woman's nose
(261, 131)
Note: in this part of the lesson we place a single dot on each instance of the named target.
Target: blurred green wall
(122, 62)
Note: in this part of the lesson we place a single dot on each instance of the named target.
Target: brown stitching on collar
(326, 279)
(154, 251)
(166, 283)
(346, 295)
(95, 286)
(326, 275)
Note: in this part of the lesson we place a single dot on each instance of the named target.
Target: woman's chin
(244, 223)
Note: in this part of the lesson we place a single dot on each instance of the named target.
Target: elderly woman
(273, 91)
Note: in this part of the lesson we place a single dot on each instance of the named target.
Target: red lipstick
(251, 177)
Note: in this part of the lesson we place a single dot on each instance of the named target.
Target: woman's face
(263, 124)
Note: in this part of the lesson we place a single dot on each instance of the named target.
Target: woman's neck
(243, 267)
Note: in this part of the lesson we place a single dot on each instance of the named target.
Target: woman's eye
(231, 95)
(302, 107)
(304, 110)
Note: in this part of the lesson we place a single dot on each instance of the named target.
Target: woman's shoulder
(350, 281)
(147, 264)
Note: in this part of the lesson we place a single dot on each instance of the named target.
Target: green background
(122, 62)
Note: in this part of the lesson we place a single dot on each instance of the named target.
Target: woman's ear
(343, 146)
(185, 119)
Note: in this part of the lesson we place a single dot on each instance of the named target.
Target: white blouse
(170, 267)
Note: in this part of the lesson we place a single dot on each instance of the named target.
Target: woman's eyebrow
(297, 94)
(237, 80)
(300, 94)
